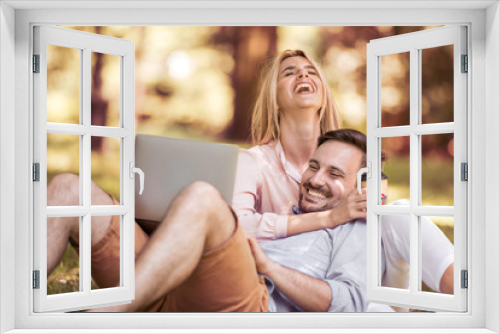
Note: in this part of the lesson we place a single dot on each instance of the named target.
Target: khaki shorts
(225, 279)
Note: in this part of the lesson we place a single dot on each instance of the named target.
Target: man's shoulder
(353, 226)
(353, 232)
(359, 221)
(350, 224)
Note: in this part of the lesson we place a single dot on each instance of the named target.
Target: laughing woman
(295, 106)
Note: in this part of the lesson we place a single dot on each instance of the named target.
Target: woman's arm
(351, 207)
(247, 200)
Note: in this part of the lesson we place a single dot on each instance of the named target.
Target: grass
(65, 277)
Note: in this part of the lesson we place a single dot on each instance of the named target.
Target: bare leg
(446, 284)
(198, 220)
(63, 190)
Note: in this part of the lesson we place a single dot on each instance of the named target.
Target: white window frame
(414, 43)
(86, 44)
(483, 20)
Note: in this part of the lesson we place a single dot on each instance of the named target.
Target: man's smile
(316, 194)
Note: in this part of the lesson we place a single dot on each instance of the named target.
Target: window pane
(63, 276)
(436, 237)
(437, 170)
(437, 84)
(395, 89)
(397, 169)
(63, 157)
(395, 242)
(106, 265)
(106, 168)
(63, 85)
(106, 78)
(384, 186)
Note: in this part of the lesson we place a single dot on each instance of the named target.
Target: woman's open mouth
(304, 87)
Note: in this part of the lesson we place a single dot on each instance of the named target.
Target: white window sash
(86, 297)
(412, 43)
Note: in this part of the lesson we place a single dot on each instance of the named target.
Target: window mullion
(83, 106)
(127, 122)
(434, 129)
(85, 176)
(414, 169)
(86, 95)
(420, 129)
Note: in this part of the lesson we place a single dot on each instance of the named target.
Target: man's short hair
(349, 136)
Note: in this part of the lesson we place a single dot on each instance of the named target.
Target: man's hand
(351, 207)
(262, 262)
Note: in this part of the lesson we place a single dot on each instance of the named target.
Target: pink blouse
(266, 188)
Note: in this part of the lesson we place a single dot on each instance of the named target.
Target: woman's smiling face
(299, 85)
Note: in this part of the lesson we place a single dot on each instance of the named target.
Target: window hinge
(36, 172)
(465, 64)
(36, 63)
(465, 279)
(36, 279)
(464, 171)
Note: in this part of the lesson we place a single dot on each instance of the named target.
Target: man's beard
(307, 207)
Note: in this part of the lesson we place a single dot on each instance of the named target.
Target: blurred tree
(226, 62)
(99, 104)
(252, 47)
(140, 85)
(436, 93)
(343, 56)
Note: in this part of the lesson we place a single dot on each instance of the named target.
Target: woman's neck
(299, 137)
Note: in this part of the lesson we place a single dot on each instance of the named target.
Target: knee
(63, 189)
(203, 192)
(65, 179)
(202, 195)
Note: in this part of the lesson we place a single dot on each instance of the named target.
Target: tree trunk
(253, 46)
(99, 105)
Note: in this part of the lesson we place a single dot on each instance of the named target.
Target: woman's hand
(350, 208)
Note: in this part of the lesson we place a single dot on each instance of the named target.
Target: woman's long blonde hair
(265, 117)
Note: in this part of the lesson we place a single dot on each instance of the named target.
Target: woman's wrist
(334, 218)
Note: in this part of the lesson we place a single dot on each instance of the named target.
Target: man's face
(330, 177)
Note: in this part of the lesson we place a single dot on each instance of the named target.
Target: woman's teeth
(316, 194)
(303, 88)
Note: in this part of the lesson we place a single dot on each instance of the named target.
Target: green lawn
(65, 278)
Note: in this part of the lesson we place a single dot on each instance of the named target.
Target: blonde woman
(295, 106)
